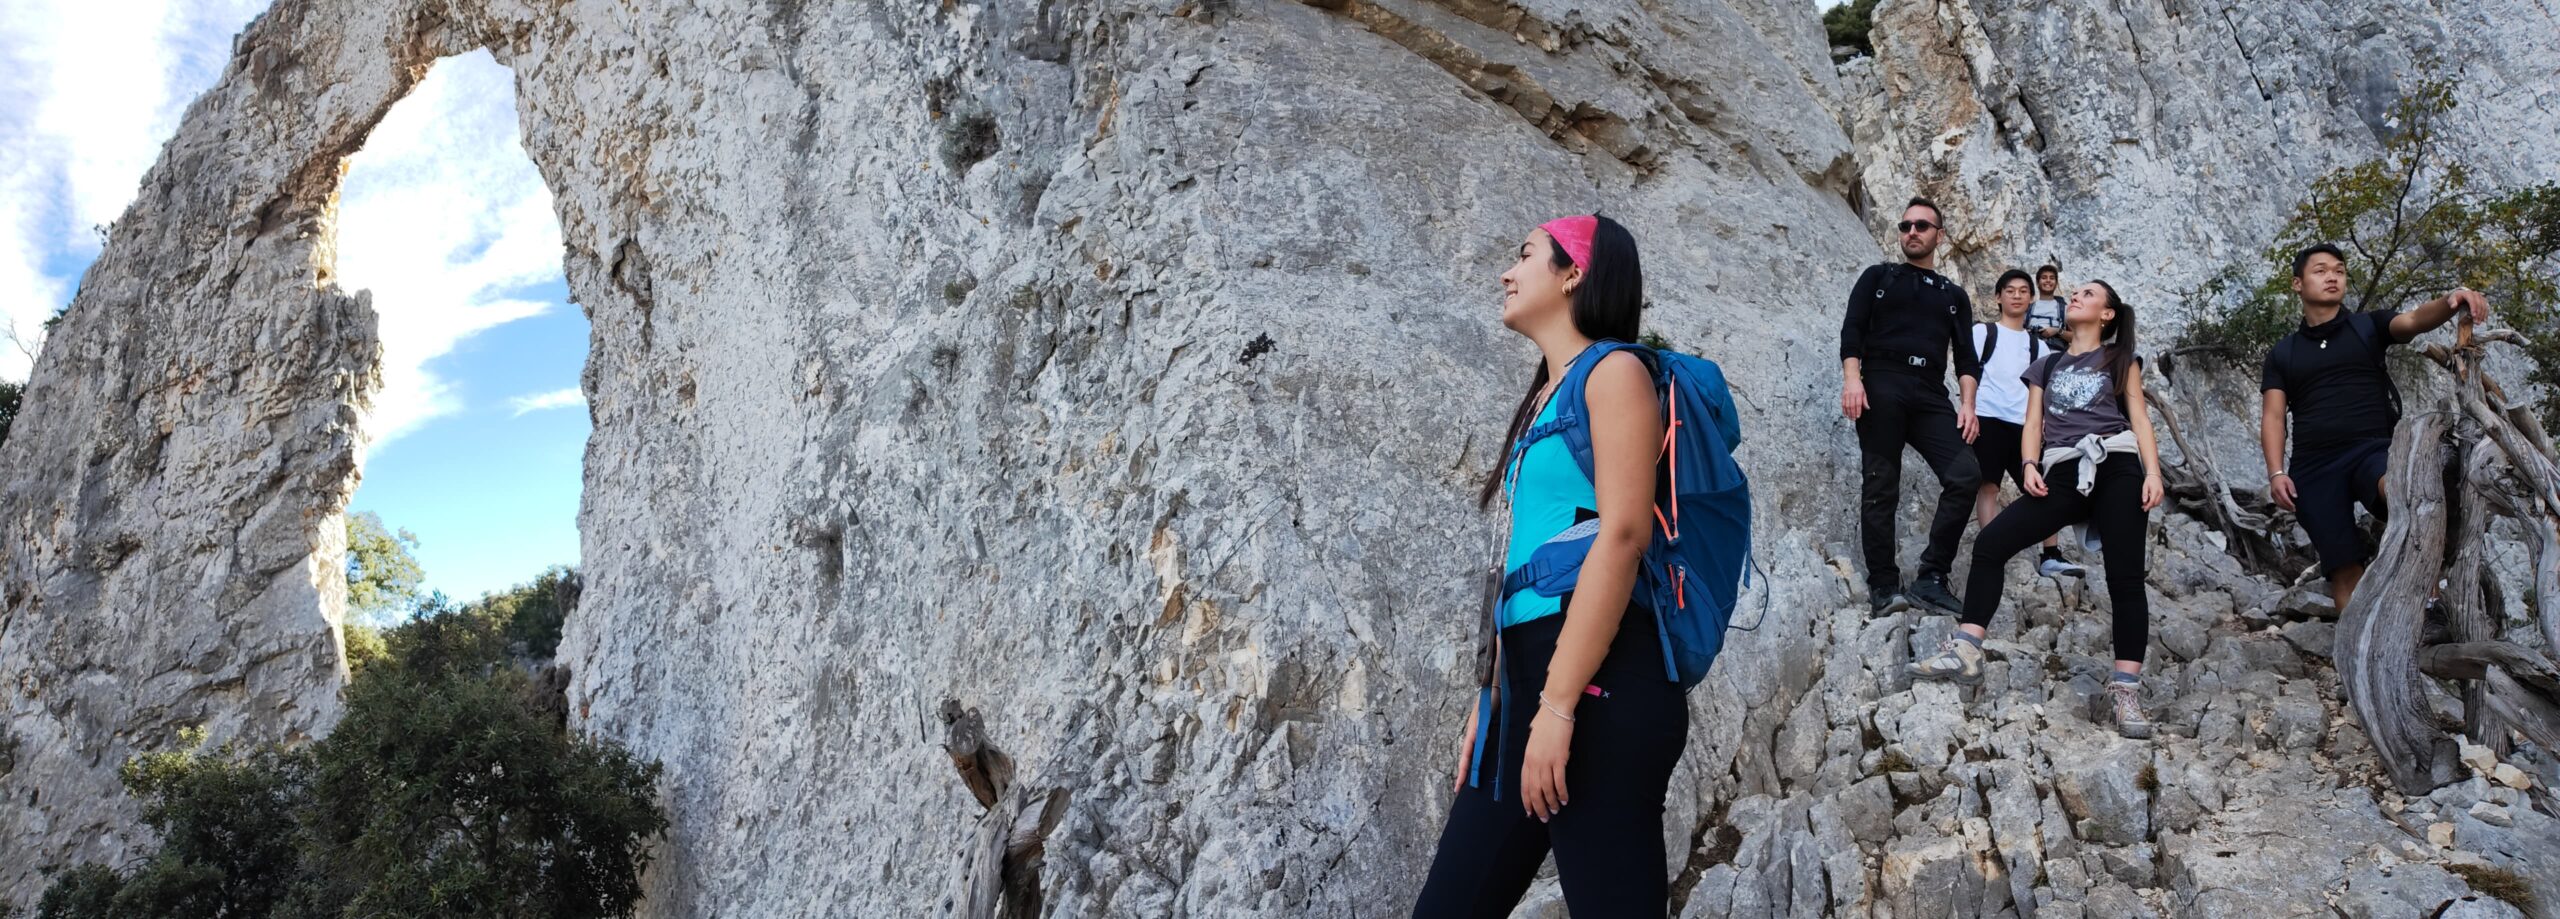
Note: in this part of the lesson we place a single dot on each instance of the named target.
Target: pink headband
(1573, 235)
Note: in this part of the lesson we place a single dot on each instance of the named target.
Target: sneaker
(1957, 660)
(2055, 567)
(1931, 590)
(2127, 700)
(1888, 603)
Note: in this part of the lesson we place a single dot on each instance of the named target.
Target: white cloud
(442, 216)
(445, 220)
(558, 398)
(88, 92)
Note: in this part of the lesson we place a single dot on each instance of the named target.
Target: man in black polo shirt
(1903, 320)
(2329, 374)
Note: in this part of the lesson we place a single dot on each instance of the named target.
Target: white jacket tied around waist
(2094, 449)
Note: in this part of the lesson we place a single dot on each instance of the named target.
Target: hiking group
(1626, 532)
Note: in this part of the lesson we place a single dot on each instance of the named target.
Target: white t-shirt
(2045, 313)
(2001, 393)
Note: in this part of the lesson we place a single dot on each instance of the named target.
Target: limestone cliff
(1123, 370)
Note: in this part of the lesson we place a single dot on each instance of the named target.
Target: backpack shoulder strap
(1990, 341)
(2284, 360)
(2364, 325)
(1573, 415)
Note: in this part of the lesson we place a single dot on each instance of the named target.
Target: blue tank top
(1548, 492)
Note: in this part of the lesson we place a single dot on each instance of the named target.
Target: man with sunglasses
(1904, 320)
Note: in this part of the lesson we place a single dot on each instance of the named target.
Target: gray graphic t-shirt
(2079, 397)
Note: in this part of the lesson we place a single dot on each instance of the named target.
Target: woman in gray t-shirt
(2090, 459)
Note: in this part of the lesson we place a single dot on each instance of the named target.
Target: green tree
(225, 819)
(450, 788)
(534, 612)
(85, 892)
(10, 393)
(1849, 23)
(449, 793)
(382, 577)
(2414, 223)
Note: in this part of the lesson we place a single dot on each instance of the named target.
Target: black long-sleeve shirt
(1899, 312)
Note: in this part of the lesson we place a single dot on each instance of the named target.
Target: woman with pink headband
(1571, 744)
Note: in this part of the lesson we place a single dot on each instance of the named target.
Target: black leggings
(1608, 842)
(2114, 510)
(1907, 409)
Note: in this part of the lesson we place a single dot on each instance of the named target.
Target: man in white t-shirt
(2044, 316)
(2007, 348)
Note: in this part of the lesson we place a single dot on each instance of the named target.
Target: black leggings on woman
(1608, 842)
(2114, 511)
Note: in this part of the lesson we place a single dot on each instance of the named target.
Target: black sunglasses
(1910, 225)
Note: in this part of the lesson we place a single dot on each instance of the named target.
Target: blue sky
(479, 431)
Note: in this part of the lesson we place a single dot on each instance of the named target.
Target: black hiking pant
(1608, 840)
(1908, 409)
(2113, 509)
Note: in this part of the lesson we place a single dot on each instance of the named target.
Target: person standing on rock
(1583, 731)
(2044, 317)
(2092, 462)
(2329, 376)
(2007, 349)
(1902, 321)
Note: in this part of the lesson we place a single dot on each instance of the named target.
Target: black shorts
(2327, 486)
(1996, 449)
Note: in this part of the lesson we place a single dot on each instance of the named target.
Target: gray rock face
(1123, 370)
(2149, 143)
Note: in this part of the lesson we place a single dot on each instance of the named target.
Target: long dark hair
(2118, 339)
(1607, 305)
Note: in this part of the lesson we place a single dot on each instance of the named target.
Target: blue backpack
(1693, 571)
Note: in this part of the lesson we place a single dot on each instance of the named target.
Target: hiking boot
(2126, 699)
(1887, 603)
(1931, 590)
(1957, 660)
(2055, 567)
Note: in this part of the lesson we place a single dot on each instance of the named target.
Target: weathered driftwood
(2378, 632)
(2197, 487)
(998, 874)
(2468, 595)
(2452, 471)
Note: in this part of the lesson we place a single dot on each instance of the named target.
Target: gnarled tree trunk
(2378, 632)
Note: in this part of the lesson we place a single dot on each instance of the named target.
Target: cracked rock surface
(1123, 370)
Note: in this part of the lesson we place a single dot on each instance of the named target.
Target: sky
(479, 431)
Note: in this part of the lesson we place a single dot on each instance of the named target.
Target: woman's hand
(2033, 482)
(1853, 399)
(2151, 491)
(1542, 764)
(1466, 750)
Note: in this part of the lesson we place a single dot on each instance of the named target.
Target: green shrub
(1849, 23)
(448, 789)
(534, 612)
(383, 578)
(10, 394)
(2414, 223)
(85, 892)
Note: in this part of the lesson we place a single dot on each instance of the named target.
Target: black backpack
(1991, 343)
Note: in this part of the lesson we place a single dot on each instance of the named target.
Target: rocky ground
(2259, 797)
